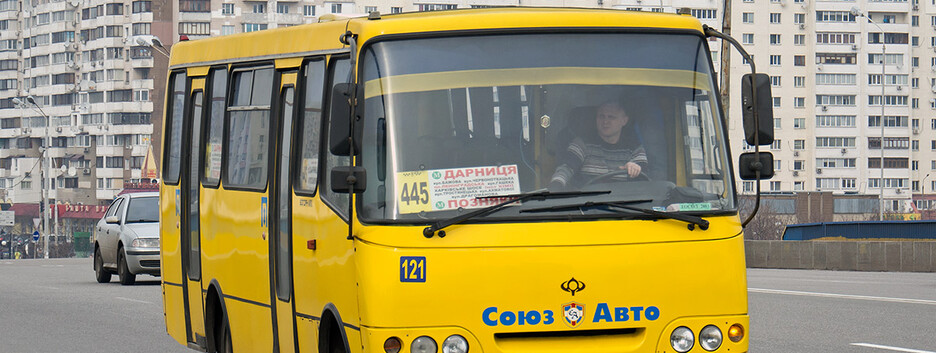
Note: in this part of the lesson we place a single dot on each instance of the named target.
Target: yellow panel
(288, 63)
(174, 310)
(536, 76)
(250, 326)
(643, 286)
(198, 71)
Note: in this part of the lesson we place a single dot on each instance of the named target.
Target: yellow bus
(492, 210)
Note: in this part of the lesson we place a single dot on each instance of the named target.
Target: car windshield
(451, 119)
(143, 209)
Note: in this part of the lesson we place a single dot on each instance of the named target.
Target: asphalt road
(56, 306)
(837, 311)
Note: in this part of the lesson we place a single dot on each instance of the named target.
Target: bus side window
(173, 145)
(249, 129)
(338, 72)
(217, 86)
(311, 120)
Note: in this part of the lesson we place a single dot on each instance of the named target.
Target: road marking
(844, 296)
(133, 300)
(896, 349)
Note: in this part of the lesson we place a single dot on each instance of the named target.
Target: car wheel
(126, 278)
(102, 275)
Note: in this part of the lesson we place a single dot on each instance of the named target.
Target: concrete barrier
(897, 256)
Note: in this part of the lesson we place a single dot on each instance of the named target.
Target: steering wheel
(615, 173)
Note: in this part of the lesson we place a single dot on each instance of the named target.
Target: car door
(109, 233)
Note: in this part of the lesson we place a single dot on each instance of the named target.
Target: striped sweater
(583, 161)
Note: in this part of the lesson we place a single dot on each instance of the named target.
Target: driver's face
(610, 120)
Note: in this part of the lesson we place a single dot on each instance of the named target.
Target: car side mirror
(763, 104)
(748, 164)
(112, 220)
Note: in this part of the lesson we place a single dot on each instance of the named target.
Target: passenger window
(173, 145)
(249, 129)
(339, 72)
(218, 89)
(311, 127)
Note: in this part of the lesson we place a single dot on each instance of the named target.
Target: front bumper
(143, 261)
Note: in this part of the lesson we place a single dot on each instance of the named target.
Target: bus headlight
(424, 344)
(682, 339)
(145, 243)
(455, 344)
(710, 338)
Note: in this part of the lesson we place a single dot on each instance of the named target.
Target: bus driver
(615, 149)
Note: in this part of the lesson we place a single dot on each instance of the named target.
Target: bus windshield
(451, 119)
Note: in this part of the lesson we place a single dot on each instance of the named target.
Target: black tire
(100, 274)
(226, 345)
(126, 278)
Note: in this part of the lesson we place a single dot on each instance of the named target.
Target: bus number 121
(412, 269)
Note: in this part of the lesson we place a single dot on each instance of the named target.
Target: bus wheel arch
(215, 317)
(332, 336)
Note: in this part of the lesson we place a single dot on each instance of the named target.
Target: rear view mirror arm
(711, 32)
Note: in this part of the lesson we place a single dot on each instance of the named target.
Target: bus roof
(318, 38)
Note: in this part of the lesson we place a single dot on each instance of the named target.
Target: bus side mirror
(748, 164)
(345, 179)
(764, 107)
(340, 120)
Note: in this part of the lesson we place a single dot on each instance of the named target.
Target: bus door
(190, 222)
(281, 216)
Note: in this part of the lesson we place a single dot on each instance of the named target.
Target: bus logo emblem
(573, 313)
(572, 286)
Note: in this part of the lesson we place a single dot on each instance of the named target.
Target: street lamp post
(46, 174)
(855, 11)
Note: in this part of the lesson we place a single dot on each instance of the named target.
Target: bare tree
(767, 224)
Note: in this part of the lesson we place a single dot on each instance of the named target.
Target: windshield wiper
(429, 231)
(692, 220)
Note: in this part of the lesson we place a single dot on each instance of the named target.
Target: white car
(126, 240)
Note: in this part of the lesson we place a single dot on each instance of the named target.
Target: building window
(799, 102)
(747, 17)
(775, 60)
(282, 7)
(369, 9)
(142, 6)
(227, 29)
(774, 39)
(799, 81)
(227, 9)
(774, 18)
(259, 7)
(396, 10)
(251, 27)
(437, 7)
(775, 81)
(194, 28)
(799, 39)
(335, 8)
(141, 29)
(747, 38)
(703, 14)
(776, 102)
(799, 60)
(308, 10)
(799, 18)
(194, 6)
